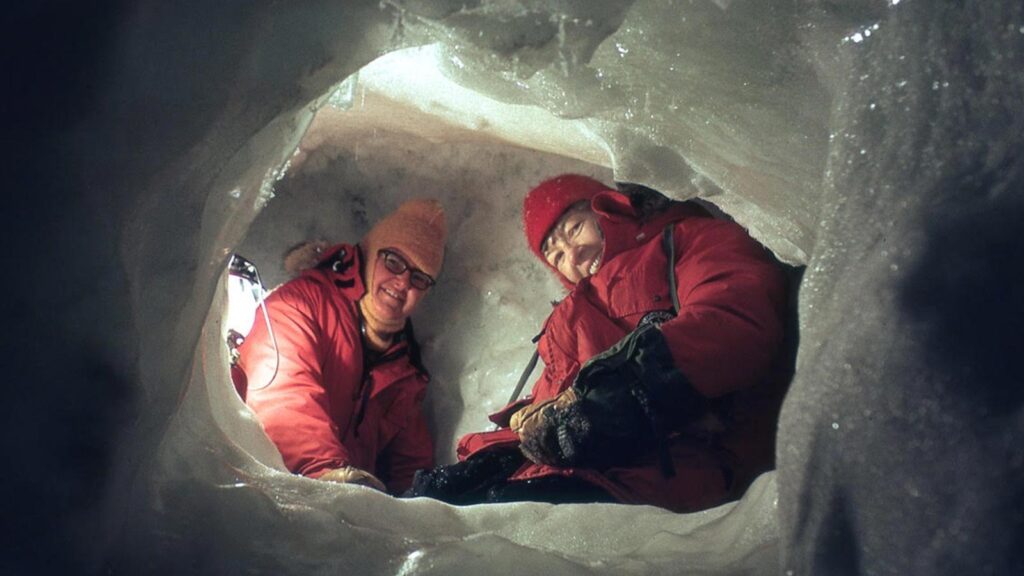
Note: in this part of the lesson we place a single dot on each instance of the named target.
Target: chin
(385, 312)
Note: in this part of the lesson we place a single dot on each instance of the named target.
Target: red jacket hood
(623, 228)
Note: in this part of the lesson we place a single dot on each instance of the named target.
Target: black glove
(627, 399)
(466, 482)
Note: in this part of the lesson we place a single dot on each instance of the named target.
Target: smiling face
(394, 297)
(575, 244)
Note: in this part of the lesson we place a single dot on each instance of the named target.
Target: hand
(573, 430)
(529, 415)
(622, 401)
(353, 475)
(537, 429)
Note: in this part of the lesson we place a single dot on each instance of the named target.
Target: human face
(394, 296)
(575, 244)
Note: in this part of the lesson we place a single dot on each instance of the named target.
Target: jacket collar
(343, 266)
(624, 229)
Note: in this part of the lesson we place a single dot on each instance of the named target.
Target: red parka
(322, 399)
(724, 339)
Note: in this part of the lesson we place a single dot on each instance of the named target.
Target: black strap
(526, 376)
(526, 373)
(668, 469)
(669, 246)
(415, 356)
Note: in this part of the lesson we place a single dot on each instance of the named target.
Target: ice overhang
(385, 111)
(427, 103)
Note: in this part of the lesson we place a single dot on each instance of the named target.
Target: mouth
(392, 297)
(594, 266)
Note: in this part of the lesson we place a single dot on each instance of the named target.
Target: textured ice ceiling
(878, 142)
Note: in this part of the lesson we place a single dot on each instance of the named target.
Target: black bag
(467, 482)
(484, 478)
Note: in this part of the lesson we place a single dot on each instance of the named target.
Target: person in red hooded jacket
(336, 380)
(649, 395)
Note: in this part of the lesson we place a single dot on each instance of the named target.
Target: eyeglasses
(395, 264)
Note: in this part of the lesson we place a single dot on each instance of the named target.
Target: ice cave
(878, 144)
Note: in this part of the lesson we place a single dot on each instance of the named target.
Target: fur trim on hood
(303, 256)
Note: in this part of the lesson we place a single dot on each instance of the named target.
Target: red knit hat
(546, 203)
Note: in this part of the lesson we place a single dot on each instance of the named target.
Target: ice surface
(880, 143)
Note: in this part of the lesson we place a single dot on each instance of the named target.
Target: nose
(572, 252)
(403, 279)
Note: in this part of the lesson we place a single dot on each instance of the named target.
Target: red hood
(623, 228)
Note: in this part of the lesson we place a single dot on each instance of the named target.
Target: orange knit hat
(418, 228)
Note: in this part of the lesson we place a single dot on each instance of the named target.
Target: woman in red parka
(640, 401)
(336, 381)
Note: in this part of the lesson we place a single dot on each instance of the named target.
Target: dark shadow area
(68, 399)
(968, 289)
(837, 547)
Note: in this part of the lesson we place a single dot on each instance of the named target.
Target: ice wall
(900, 441)
(880, 142)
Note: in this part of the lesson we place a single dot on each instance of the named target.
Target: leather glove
(622, 402)
(353, 475)
(528, 416)
(534, 425)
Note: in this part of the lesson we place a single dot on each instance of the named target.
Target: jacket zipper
(367, 386)
(364, 399)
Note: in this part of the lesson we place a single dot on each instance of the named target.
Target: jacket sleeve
(731, 305)
(410, 450)
(286, 390)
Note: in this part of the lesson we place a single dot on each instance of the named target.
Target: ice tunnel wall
(213, 461)
(864, 139)
(475, 329)
(351, 167)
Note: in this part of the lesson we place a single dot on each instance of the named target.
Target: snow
(182, 135)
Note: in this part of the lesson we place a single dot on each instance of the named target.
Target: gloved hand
(353, 475)
(529, 416)
(534, 425)
(469, 481)
(622, 401)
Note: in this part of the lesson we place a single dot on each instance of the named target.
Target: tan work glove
(534, 429)
(353, 475)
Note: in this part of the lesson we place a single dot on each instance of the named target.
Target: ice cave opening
(383, 136)
(879, 143)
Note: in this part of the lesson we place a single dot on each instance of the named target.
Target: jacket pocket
(642, 288)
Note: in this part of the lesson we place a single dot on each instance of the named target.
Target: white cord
(270, 329)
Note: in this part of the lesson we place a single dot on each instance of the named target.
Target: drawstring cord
(246, 269)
